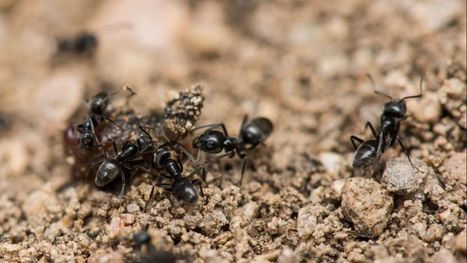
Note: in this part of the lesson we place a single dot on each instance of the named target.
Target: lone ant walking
(394, 112)
(213, 141)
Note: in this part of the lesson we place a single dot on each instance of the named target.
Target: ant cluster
(368, 152)
(152, 144)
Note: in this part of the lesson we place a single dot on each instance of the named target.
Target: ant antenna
(421, 90)
(131, 95)
(374, 87)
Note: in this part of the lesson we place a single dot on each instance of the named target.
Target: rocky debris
(431, 108)
(367, 205)
(453, 176)
(401, 177)
(454, 168)
(452, 97)
(306, 220)
(444, 256)
(182, 112)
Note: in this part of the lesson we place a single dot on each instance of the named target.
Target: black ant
(81, 44)
(97, 113)
(214, 141)
(182, 187)
(112, 168)
(149, 253)
(394, 112)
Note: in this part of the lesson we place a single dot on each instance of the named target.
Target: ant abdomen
(366, 154)
(185, 191)
(107, 172)
(257, 130)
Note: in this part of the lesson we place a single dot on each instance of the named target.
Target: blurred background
(301, 63)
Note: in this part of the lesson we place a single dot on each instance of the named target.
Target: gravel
(367, 205)
(401, 177)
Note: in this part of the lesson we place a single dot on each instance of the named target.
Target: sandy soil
(300, 63)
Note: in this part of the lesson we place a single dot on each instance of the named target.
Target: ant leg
(144, 131)
(374, 87)
(112, 122)
(398, 125)
(220, 156)
(166, 186)
(93, 131)
(199, 184)
(132, 93)
(192, 158)
(354, 138)
(115, 148)
(212, 126)
(373, 131)
(404, 149)
(164, 176)
(149, 199)
(243, 171)
(159, 130)
(122, 191)
(195, 171)
(381, 143)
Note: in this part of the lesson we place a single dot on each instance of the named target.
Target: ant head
(98, 104)
(211, 141)
(107, 172)
(256, 131)
(85, 42)
(185, 191)
(396, 109)
(141, 238)
(86, 140)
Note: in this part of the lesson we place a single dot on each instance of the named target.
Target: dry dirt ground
(300, 63)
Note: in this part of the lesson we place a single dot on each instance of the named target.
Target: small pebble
(306, 221)
(132, 208)
(367, 204)
(454, 169)
(331, 161)
(401, 177)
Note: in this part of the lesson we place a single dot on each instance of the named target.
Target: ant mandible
(214, 141)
